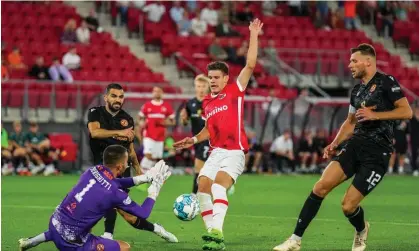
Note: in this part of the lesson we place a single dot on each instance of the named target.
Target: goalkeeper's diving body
(97, 191)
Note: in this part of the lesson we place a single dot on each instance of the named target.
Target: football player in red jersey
(223, 112)
(154, 117)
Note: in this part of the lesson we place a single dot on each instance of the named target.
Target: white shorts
(154, 147)
(229, 161)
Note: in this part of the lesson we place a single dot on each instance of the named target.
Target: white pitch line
(240, 216)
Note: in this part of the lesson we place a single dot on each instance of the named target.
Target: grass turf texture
(262, 214)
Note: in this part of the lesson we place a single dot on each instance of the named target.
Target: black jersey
(194, 110)
(120, 121)
(380, 93)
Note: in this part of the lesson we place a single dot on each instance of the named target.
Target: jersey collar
(154, 102)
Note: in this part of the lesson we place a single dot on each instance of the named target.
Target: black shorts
(256, 148)
(202, 150)
(400, 147)
(365, 160)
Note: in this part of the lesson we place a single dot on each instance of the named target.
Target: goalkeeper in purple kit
(98, 191)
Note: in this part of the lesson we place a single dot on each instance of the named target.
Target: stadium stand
(309, 50)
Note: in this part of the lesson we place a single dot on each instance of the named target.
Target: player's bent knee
(321, 189)
(204, 184)
(348, 207)
(224, 179)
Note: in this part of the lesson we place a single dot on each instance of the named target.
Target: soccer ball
(186, 207)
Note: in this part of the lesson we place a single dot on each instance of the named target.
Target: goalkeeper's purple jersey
(96, 193)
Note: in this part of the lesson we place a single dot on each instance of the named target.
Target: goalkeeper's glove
(158, 181)
(160, 168)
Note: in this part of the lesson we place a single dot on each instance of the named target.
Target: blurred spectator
(4, 71)
(41, 152)
(39, 70)
(192, 5)
(306, 151)
(15, 59)
(6, 154)
(198, 26)
(319, 143)
(282, 150)
(323, 8)
(123, 10)
(69, 35)
(400, 146)
(350, 15)
(255, 153)
(216, 52)
(59, 72)
(414, 140)
(337, 19)
(71, 60)
(155, 11)
(387, 13)
(370, 8)
(224, 29)
(269, 57)
(20, 157)
(231, 52)
(242, 53)
(245, 16)
(210, 15)
(184, 25)
(295, 7)
(139, 4)
(268, 7)
(176, 12)
(83, 33)
(401, 10)
(93, 22)
(320, 22)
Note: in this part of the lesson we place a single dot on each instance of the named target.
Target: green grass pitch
(262, 214)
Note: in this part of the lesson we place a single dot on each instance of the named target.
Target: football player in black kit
(364, 144)
(192, 112)
(109, 125)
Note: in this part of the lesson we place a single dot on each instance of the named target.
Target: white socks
(37, 239)
(146, 164)
(295, 237)
(220, 205)
(205, 206)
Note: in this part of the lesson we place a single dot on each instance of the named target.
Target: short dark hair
(113, 154)
(364, 49)
(113, 86)
(218, 65)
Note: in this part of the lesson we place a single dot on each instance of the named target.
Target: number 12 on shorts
(373, 179)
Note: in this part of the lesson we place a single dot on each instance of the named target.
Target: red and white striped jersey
(224, 115)
(155, 113)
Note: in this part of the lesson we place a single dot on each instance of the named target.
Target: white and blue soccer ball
(186, 207)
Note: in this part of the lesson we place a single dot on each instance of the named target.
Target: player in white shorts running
(223, 112)
(154, 117)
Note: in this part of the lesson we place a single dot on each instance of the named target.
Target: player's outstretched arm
(188, 142)
(159, 170)
(125, 203)
(255, 28)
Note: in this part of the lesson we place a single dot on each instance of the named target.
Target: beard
(113, 109)
(360, 74)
